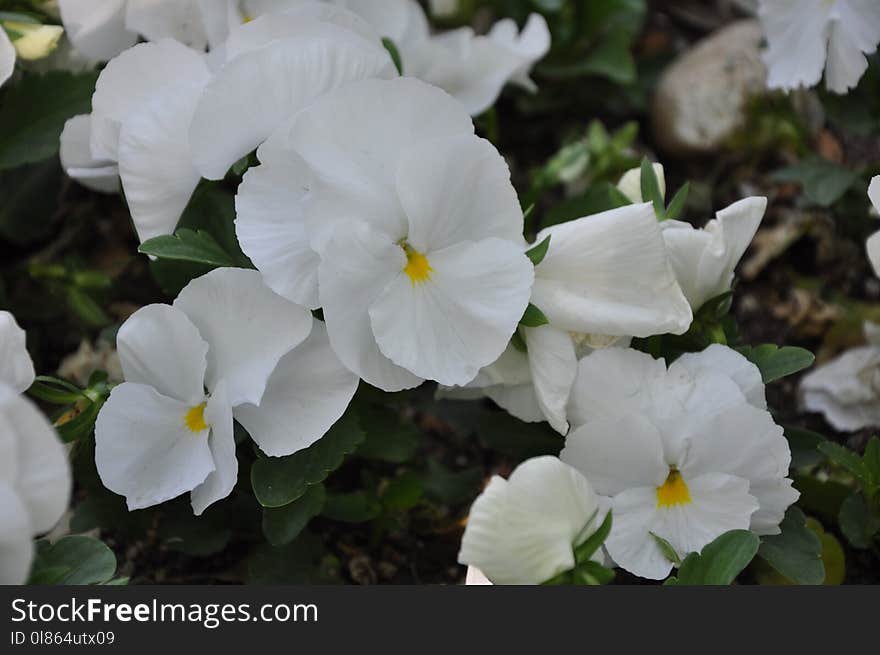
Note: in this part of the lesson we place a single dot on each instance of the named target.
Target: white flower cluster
(35, 477)
(805, 37)
(684, 453)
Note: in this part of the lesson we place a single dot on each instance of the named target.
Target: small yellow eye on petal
(417, 268)
(195, 419)
(674, 491)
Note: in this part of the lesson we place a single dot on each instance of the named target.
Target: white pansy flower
(806, 36)
(35, 482)
(16, 367)
(413, 228)
(524, 530)
(97, 29)
(217, 352)
(873, 244)
(704, 259)
(76, 157)
(686, 452)
(846, 390)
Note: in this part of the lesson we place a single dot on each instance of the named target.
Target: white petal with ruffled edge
(144, 449)
(528, 46)
(842, 391)
(42, 474)
(524, 530)
(16, 537)
(133, 79)
(449, 326)
(172, 19)
(76, 157)
(362, 265)
(97, 30)
(854, 33)
(286, 75)
(796, 33)
(220, 482)
(721, 359)
(16, 366)
(159, 346)
(249, 328)
(155, 163)
(609, 274)
(306, 394)
(553, 367)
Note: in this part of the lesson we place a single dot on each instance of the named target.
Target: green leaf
(823, 181)
(281, 525)
(538, 252)
(679, 200)
(388, 439)
(518, 342)
(187, 245)
(34, 111)
(651, 187)
(592, 573)
(85, 307)
(73, 560)
(80, 426)
(796, 553)
(391, 47)
(852, 462)
(667, 549)
(451, 488)
(197, 536)
(55, 390)
(856, 522)
(293, 563)
(587, 549)
(804, 446)
(402, 493)
(533, 317)
(720, 561)
(354, 507)
(775, 362)
(278, 481)
(508, 435)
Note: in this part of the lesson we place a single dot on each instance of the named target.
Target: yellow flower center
(195, 419)
(418, 268)
(246, 19)
(673, 492)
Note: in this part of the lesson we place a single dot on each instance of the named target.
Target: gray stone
(701, 99)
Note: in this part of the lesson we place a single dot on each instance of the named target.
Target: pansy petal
(306, 394)
(7, 57)
(455, 190)
(131, 80)
(612, 382)
(155, 164)
(361, 265)
(841, 390)
(523, 530)
(774, 497)
(873, 246)
(449, 326)
(144, 449)
(554, 368)
(167, 19)
(248, 326)
(220, 482)
(77, 161)
(159, 346)
(287, 75)
(16, 536)
(846, 64)
(796, 42)
(617, 454)
(271, 225)
(97, 30)
(16, 366)
(727, 361)
(518, 400)
(608, 274)
(42, 478)
(630, 544)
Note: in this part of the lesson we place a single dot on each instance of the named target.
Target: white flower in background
(686, 452)
(704, 259)
(76, 157)
(846, 390)
(35, 482)
(806, 36)
(278, 64)
(7, 57)
(228, 346)
(873, 244)
(524, 530)
(96, 29)
(444, 8)
(413, 228)
(16, 367)
(31, 41)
